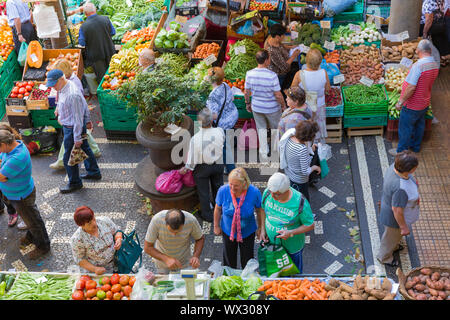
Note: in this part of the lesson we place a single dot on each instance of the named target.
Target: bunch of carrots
(145, 33)
(296, 289)
(239, 83)
(205, 50)
(332, 56)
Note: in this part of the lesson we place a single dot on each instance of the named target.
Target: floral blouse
(432, 6)
(215, 102)
(289, 119)
(98, 251)
(278, 57)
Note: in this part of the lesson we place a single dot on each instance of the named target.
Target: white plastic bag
(141, 288)
(46, 19)
(324, 151)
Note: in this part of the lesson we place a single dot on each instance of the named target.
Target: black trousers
(28, 32)
(438, 33)
(100, 68)
(303, 188)
(5, 202)
(206, 175)
(28, 211)
(230, 248)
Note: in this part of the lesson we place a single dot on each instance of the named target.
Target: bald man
(147, 60)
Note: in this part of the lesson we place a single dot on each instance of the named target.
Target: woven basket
(402, 278)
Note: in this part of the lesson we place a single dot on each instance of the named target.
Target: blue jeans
(411, 128)
(229, 165)
(90, 163)
(297, 258)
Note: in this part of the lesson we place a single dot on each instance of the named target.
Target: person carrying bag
(130, 251)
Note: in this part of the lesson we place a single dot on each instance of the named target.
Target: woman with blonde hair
(234, 218)
(315, 82)
(66, 67)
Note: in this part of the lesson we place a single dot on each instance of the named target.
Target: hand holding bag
(274, 261)
(22, 57)
(130, 251)
(77, 156)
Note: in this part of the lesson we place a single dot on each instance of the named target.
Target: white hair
(425, 46)
(89, 8)
(205, 117)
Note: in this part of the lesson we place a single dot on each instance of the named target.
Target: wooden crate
(37, 104)
(334, 130)
(365, 131)
(16, 111)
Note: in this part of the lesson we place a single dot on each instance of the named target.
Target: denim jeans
(297, 258)
(303, 188)
(411, 128)
(90, 163)
(229, 165)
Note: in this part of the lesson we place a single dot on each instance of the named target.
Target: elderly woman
(297, 110)
(147, 60)
(399, 205)
(296, 155)
(204, 158)
(234, 218)
(288, 217)
(66, 67)
(280, 61)
(225, 113)
(95, 241)
(432, 23)
(315, 80)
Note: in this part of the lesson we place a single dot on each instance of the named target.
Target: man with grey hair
(415, 99)
(205, 160)
(147, 60)
(96, 35)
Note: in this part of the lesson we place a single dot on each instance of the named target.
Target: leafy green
(250, 286)
(226, 287)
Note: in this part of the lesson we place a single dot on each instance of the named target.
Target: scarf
(236, 224)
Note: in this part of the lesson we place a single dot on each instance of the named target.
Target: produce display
(393, 99)
(251, 47)
(6, 39)
(263, 6)
(116, 287)
(308, 33)
(21, 89)
(296, 289)
(333, 98)
(144, 34)
(362, 94)
(346, 37)
(239, 83)
(74, 31)
(3, 7)
(395, 53)
(367, 288)
(361, 61)
(6, 282)
(198, 74)
(239, 64)
(72, 58)
(394, 78)
(173, 63)
(114, 80)
(172, 38)
(38, 94)
(206, 49)
(332, 56)
(124, 61)
(233, 287)
(39, 286)
(429, 285)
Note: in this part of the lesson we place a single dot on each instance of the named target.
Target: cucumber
(2, 277)
(9, 282)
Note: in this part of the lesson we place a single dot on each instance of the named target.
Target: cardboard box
(236, 21)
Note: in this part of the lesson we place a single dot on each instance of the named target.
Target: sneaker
(56, 166)
(22, 226)
(12, 220)
(393, 152)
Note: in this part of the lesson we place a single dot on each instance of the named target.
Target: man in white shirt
(205, 160)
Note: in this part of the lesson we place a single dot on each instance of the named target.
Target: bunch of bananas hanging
(125, 60)
(74, 31)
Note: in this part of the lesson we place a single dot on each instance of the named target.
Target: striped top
(16, 166)
(263, 83)
(74, 78)
(423, 73)
(173, 245)
(298, 157)
(17, 9)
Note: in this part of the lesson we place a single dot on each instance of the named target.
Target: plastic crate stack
(9, 73)
(353, 14)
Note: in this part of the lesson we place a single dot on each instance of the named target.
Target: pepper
(2, 288)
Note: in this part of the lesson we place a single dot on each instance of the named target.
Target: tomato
(117, 296)
(128, 74)
(106, 77)
(20, 96)
(91, 284)
(80, 284)
(133, 73)
(91, 293)
(15, 90)
(127, 290)
(31, 83)
(85, 278)
(117, 73)
(132, 281)
(109, 295)
(116, 288)
(101, 294)
(22, 90)
(124, 280)
(106, 287)
(26, 94)
(28, 88)
(78, 295)
(19, 84)
(13, 95)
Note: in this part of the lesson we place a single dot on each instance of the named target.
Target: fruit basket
(416, 275)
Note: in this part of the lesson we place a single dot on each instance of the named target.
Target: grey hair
(205, 117)
(425, 46)
(89, 8)
(148, 54)
(6, 137)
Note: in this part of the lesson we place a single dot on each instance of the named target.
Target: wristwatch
(291, 234)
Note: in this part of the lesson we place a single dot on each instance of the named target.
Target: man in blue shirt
(19, 19)
(17, 185)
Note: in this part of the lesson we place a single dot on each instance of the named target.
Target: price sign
(366, 81)
(114, 81)
(294, 35)
(406, 62)
(240, 50)
(181, 19)
(381, 81)
(325, 24)
(304, 48)
(354, 27)
(33, 57)
(41, 280)
(209, 60)
(329, 45)
(42, 87)
(338, 79)
(403, 35)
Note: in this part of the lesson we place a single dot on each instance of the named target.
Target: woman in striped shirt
(298, 154)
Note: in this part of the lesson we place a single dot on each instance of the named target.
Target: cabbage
(250, 286)
(175, 26)
(162, 32)
(183, 36)
(172, 35)
(159, 42)
(226, 288)
(168, 44)
(178, 44)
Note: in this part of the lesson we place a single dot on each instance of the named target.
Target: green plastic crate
(239, 102)
(365, 121)
(351, 109)
(352, 14)
(43, 118)
(120, 124)
(11, 62)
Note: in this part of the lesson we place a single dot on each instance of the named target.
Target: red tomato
(106, 287)
(28, 88)
(13, 95)
(26, 94)
(85, 278)
(20, 96)
(91, 293)
(22, 90)
(78, 295)
(115, 278)
(19, 84)
(91, 284)
(30, 83)
(80, 284)
(15, 90)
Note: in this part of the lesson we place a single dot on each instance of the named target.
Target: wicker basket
(402, 278)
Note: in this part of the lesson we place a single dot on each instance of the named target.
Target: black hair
(277, 30)
(175, 218)
(262, 56)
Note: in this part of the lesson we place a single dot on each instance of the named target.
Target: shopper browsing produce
(297, 110)
(95, 242)
(20, 20)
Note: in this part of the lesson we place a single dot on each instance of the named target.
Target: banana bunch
(75, 31)
(125, 60)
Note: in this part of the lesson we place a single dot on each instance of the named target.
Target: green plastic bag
(274, 261)
(324, 170)
(22, 57)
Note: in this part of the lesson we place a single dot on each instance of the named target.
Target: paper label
(329, 45)
(41, 280)
(338, 79)
(354, 27)
(403, 35)
(33, 57)
(294, 35)
(42, 87)
(406, 62)
(181, 19)
(129, 3)
(240, 50)
(366, 81)
(325, 24)
(209, 60)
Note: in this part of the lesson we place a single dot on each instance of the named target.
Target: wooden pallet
(365, 131)
(334, 130)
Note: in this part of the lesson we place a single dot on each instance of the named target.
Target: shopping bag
(130, 251)
(248, 138)
(22, 57)
(324, 152)
(169, 182)
(77, 156)
(274, 261)
(188, 179)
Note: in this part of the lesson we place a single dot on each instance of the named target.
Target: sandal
(12, 220)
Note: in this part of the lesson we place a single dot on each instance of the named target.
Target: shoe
(24, 241)
(393, 152)
(12, 220)
(37, 253)
(68, 188)
(98, 154)
(91, 177)
(22, 226)
(400, 248)
(56, 166)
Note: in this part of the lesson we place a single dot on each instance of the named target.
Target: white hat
(278, 182)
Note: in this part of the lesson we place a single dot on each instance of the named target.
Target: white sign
(209, 60)
(41, 280)
(403, 35)
(338, 79)
(240, 50)
(354, 27)
(42, 87)
(304, 48)
(129, 3)
(33, 57)
(329, 45)
(366, 81)
(406, 62)
(294, 35)
(325, 24)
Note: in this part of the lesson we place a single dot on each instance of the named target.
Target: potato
(425, 271)
(358, 283)
(435, 276)
(429, 283)
(442, 294)
(419, 287)
(416, 280)
(372, 298)
(334, 283)
(379, 294)
(356, 297)
(386, 285)
(345, 295)
(364, 295)
(329, 288)
(412, 293)
(438, 285)
(347, 288)
(434, 292)
(421, 297)
(336, 295)
(445, 274)
(389, 296)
